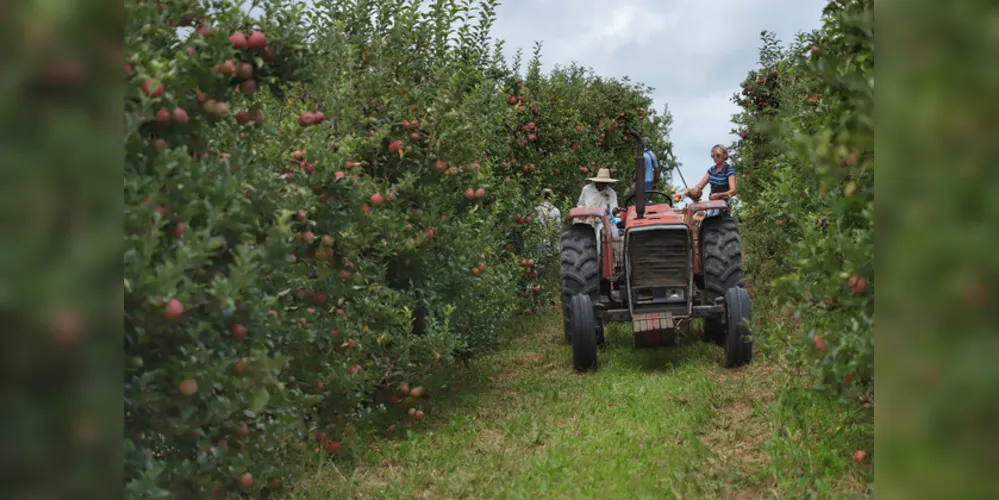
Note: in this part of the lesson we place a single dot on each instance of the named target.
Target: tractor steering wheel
(652, 199)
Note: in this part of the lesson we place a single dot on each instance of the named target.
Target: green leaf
(259, 400)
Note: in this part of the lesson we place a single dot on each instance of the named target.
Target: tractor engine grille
(659, 260)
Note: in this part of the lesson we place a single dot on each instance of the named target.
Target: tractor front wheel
(738, 343)
(582, 322)
(580, 269)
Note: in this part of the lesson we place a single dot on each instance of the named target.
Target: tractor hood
(660, 213)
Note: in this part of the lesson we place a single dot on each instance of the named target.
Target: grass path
(652, 423)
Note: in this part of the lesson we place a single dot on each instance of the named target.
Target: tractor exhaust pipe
(639, 176)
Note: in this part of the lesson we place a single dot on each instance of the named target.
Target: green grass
(651, 423)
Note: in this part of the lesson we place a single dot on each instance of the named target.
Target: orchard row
(322, 210)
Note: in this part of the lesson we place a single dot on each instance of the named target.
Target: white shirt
(548, 213)
(591, 197)
(607, 199)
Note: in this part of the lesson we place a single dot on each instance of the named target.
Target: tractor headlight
(675, 293)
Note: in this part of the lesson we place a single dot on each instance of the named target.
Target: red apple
(377, 199)
(152, 88)
(418, 415)
(395, 146)
(244, 71)
(238, 331)
(859, 456)
(307, 118)
(163, 117)
(319, 117)
(333, 447)
(256, 41)
(238, 41)
(470, 193)
(246, 480)
(188, 387)
(480, 193)
(242, 117)
(180, 116)
(857, 284)
(307, 237)
(174, 309)
(819, 343)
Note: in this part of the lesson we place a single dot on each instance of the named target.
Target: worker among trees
(548, 213)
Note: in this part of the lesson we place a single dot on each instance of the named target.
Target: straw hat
(603, 175)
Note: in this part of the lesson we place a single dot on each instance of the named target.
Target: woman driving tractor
(721, 176)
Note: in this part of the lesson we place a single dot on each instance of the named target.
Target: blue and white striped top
(719, 180)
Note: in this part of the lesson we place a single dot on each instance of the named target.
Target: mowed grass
(651, 423)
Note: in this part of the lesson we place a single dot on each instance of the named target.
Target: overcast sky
(693, 53)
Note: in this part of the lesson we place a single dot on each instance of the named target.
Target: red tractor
(669, 266)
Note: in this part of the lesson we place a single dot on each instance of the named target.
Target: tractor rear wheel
(721, 257)
(582, 322)
(738, 343)
(580, 268)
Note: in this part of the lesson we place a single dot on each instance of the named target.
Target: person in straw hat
(599, 194)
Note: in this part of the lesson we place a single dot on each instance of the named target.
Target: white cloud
(693, 52)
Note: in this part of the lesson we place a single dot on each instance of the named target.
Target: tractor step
(654, 329)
